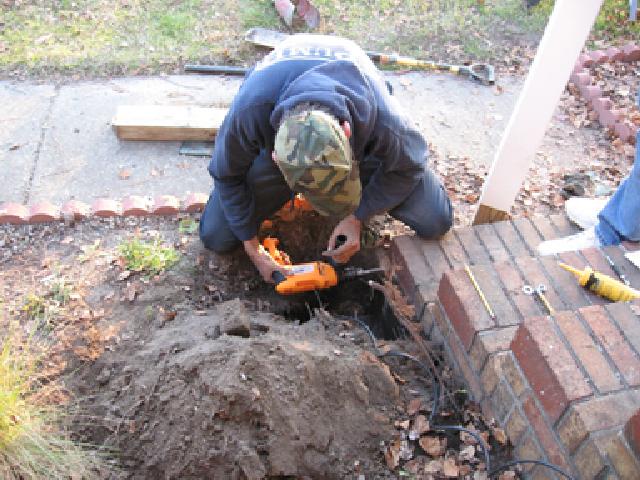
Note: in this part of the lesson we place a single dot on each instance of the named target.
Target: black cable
(437, 389)
(435, 408)
(537, 462)
(436, 385)
(369, 332)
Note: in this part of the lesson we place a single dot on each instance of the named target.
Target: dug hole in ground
(203, 371)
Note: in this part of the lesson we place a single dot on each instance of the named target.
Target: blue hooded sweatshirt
(337, 74)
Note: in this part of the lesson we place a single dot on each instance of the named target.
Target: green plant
(150, 258)
(59, 291)
(187, 226)
(34, 306)
(32, 444)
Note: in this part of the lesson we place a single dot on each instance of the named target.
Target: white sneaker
(584, 211)
(579, 241)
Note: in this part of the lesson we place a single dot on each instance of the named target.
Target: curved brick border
(608, 116)
(135, 206)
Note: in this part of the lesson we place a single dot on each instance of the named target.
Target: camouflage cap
(315, 158)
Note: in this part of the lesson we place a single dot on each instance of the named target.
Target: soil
(204, 372)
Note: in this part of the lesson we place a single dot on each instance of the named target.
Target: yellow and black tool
(480, 72)
(306, 277)
(602, 284)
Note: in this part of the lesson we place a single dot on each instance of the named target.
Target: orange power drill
(305, 277)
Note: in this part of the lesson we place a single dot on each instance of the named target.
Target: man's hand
(262, 260)
(349, 228)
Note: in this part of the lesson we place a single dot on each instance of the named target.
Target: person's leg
(214, 228)
(620, 218)
(270, 193)
(428, 208)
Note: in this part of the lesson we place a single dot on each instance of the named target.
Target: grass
(100, 37)
(44, 309)
(32, 444)
(149, 258)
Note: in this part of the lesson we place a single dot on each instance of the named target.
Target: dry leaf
(433, 446)
(450, 469)
(124, 275)
(467, 453)
(414, 406)
(402, 424)
(413, 466)
(392, 455)
(169, 315)
(124, 174)
(500, 436)
(420, 425)
(433, 467)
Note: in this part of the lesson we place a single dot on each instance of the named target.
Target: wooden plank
(167, 122)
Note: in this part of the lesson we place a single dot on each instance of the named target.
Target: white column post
(563, 39)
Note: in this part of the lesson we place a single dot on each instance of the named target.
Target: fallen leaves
(414, 406)
(392, 454)
(432, 445)
(450, 469)
(420, 426)
(500, 435)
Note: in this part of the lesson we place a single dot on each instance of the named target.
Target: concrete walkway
(56, 142)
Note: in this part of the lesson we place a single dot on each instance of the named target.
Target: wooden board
(167, 122)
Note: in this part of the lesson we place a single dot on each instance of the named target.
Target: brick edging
(131, 206)
(608, 115)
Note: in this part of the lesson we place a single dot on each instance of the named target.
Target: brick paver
(549, 366)
(564, 386)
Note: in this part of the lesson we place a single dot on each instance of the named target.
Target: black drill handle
(278, 277)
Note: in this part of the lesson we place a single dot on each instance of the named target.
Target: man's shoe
(584, 211)
(579, 241)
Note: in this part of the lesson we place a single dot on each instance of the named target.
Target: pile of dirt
(205, 372)
(232, 394)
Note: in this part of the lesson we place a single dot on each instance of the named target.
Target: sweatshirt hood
(340, 87)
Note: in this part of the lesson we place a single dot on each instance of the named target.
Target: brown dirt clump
(185, 400)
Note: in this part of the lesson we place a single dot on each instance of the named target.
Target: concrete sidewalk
(56, 142)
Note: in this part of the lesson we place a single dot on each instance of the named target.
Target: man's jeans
(620, 218)
(427, 210)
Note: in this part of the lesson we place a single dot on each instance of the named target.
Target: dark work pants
(427, 210)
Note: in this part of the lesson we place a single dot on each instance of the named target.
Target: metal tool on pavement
(480, 72)
(305, 277)
(539, 291)
(467, 269)
(602, 284)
